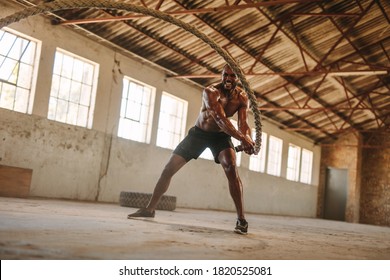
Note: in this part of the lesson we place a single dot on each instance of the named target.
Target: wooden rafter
(190, 11)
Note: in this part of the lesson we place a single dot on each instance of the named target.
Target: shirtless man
(213, 130)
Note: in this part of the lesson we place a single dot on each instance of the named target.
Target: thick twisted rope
(115, 5)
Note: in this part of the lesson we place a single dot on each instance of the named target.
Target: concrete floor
(58, 229)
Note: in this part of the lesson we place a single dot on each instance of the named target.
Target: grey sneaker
(142, 213)
(241, 226)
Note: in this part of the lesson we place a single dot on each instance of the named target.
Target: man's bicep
(243, 120)
(242, 114)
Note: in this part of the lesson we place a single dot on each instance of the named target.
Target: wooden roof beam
(309, 73)
(191, 11)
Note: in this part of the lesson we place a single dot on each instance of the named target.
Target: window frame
(271, 162)
(183, 122)
(293, 169)
(258, 163)
(93, 91)
(150, 110)
(310, 173)
(34, 72)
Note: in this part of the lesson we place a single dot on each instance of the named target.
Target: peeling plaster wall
(65, 159)
(77, 163)
(93, 164)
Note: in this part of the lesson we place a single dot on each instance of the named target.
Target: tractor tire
(139, 200)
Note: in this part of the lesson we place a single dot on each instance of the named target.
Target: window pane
(9, 70)
(306, 166)
(58, 64)
(67, 66)
(17, 49)
(7, 97)
(21, 99)
(88, 74)
(172, 120)
(75, 91)
(86, 93)
(52, 108)
(77, 73)
(72, 113)
(62, 110)
(25, 71)
(136, 111)
(82, 116)
(7, 42)
(29, 53)
(55, 86)
(294, 153)
(133, 111)
(64, 88)
(274, 156)
(257, 162)
(146, 96)
(70, 97)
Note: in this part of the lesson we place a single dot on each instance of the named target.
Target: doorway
(336, 187)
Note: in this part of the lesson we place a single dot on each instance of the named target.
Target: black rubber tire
(139, 200)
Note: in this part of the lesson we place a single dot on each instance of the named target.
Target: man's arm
(243, 119)
(244, 128)
(211, 100)
(215, 109)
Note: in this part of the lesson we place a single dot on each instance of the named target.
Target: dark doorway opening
(336, 187)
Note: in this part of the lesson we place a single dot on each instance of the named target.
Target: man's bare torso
(231, 102)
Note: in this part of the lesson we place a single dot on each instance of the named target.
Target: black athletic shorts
(198, 140)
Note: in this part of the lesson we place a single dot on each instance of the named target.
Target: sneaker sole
(240, 232)
(139, 217)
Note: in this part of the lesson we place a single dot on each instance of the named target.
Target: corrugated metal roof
(311, 63)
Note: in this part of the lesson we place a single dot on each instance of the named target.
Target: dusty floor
(57, 229)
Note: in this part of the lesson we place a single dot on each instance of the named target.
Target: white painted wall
(93, 164)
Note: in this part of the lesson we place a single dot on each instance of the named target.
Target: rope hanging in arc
(114, 5)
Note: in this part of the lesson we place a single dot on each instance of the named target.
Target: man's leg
(174, 164)
(227, 158)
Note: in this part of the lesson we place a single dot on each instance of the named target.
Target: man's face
(229, 79)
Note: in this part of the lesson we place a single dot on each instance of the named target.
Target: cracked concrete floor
(60, 229)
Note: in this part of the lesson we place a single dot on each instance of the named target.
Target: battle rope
(114, 5)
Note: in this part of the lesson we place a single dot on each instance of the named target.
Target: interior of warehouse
(72, 129)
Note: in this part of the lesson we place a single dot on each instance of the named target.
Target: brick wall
(367, 159)
(344, 154)
(375, 186)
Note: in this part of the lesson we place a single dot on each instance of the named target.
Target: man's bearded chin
(229, 85)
